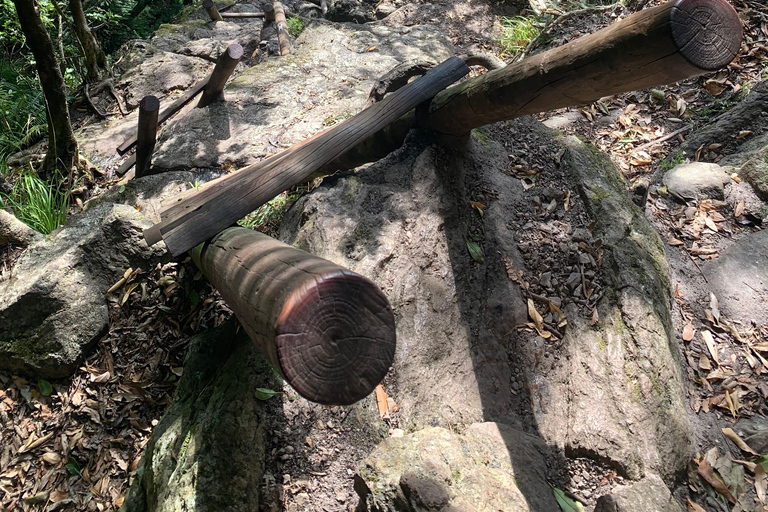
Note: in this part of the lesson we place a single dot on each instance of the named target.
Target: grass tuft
(295, 26)
(267, 217)
(37, 204)
(516, 33)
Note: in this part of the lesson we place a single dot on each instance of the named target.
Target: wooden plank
(655, 46)
(228, 199)
(330, 332)
(168, 112)
(242, 14)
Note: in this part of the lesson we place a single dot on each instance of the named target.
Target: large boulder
(325, 79)
(53, 305)
(207, 454)
(648, 495)
(490, 467)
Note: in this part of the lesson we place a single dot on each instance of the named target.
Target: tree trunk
(62, 146)
(94, 56)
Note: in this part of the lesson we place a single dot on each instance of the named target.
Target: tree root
(398, 77)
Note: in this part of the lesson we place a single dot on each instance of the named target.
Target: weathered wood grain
(225, 65)
(282, 29)
(330, 332)
(146, 136)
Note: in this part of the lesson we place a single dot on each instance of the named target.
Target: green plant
(41, 206)
(516, 33)
(672, 161)
(295, 26)
(267, 217)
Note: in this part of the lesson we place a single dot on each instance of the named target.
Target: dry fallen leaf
(381, 400)
(708, 473)
(761, 482)
(739, 210)
(595, 317)
(710, 341)
(52, 458)
(535, 316)
(733, 436)
(688, 331)
(744, 133)
(674, 242)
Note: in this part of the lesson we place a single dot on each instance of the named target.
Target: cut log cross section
(330, 332)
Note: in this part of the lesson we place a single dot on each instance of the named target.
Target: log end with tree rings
(335, 338)
(707, 32)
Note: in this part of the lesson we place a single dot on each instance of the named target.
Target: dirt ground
(98, 423)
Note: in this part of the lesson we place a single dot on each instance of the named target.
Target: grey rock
(648, 495)
(53, 305)
(696, 180)
(206, 453)
(490, 467)
(755, 171)
(325, 79)
(754, 432)
(13, 231)
(739, 278)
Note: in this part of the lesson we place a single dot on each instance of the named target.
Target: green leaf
(264, 393)
(566, 503)
(194, 298)
(45, 387)
(73, 467)
(763, 461)
(121, 189)
(475, 251)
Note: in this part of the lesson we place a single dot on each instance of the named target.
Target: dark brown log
(224, 201)
(149, 108)
(212, 11)
(661, 45)
(221, 73)
(282, 29)
(242, 14)
(330, 332)
(168, 112)
(269, 12)
(125, 166)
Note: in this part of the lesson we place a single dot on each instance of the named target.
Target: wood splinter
(329, 331)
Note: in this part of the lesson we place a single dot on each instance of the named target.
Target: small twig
(693, 259)
(664, 138)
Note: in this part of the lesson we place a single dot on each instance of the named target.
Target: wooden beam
(212, 11)
(661, 45)
(225, 65)
(330, 332)
(149, 108)
(222, 202)
(282, 29)
(168, 112)
(269, 12)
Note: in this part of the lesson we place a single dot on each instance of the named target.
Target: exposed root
(398, 77)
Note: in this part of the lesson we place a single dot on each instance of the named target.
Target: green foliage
(22, 111)
(45, 387)
(673, 160)
(41, 206)
(267, 217)
(265, 393)
(516, 33)
(295, 26)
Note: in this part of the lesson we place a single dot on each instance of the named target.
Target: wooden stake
(221, 73)
(149, 108)
(242, 14)
(330, 332)
(168, 112)
(269, 12)
(282, 29)
(222, 202)
(212, 11)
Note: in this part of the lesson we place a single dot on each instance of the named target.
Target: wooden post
(222, 202)
(149, 108)
(269, 12)
(282, 29)
(212, 11)
(242, 14)
(168, 112)
(654, 46)
(221, 72)
(329, 331)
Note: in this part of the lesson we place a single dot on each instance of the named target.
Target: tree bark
(62, 146)
(95, 61)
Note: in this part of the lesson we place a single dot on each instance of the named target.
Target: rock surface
(755, 171)
(696, 180)
(435, 470)
(325, 79)
(648, 495)
(13, 231)
(206, 453)
(53, 305)
(739, 280)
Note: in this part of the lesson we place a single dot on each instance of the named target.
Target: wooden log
(149, 108)
(282, 30)
(330, 332)
(168, 112)
(242, 14)
(126, 166)
(212, 11)
(655, 46)
(222, 202)
(225, 65)
(269, 12)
